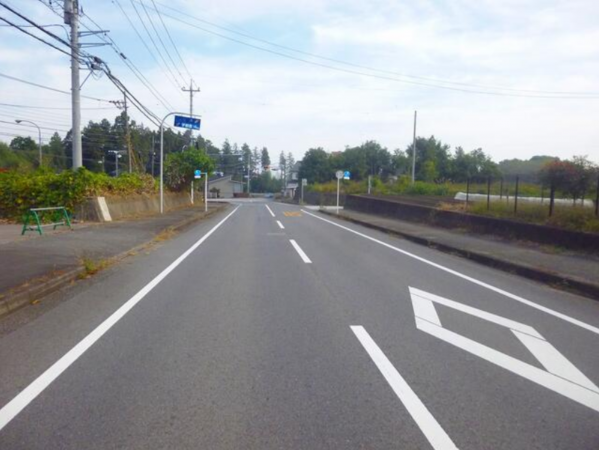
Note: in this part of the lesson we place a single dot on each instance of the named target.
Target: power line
(171, 39)
(33, 35)
(12, 105)
(555, 95)
(173, 79)
(130, 65)
(20, 80)
(161, 41)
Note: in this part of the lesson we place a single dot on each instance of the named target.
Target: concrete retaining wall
(133, 205)
(321, 198)
(479, 224)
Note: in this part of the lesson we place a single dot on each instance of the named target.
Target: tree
(228, 159)
(55, 154)
(283, 167)
(265, 158)
(255, 161)
(290, 160)
(316, 166)
(179, 167)
(23, 144)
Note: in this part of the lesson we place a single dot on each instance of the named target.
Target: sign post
(339, 175)
(191, 123)
(206, 193)
(304, 183)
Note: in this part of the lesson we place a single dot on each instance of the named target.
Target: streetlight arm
(39, 131)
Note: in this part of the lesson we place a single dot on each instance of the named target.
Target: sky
(516, 78)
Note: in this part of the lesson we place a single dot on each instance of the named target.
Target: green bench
(33, 219)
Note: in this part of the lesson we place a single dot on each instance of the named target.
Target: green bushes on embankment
(44, 188)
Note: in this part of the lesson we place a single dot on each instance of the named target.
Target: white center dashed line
(300, 252)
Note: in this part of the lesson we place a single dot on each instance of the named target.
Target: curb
(21, 296)
(557, 281)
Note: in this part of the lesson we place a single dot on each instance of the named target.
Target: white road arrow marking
(560, 376)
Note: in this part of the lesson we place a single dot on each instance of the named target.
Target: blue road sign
(346, 175)
(197, 174)
(191, 123)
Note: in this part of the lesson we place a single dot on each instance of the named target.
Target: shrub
(44, 188)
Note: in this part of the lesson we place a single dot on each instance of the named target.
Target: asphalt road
(268, 326)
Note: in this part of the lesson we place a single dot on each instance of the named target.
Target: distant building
(224, 187)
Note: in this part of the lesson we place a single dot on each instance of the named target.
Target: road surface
(270, 326)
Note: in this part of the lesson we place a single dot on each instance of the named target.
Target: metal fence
(517, 195)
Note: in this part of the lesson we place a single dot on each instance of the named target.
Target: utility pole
(191, 91)
(153, 153)
(127, 135)
(249, 163)
(414, 150)
(123, 104)
(71, 17)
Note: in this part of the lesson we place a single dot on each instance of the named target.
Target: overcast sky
(387, 58)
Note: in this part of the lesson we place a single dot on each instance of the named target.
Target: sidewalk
(33, 265)
(577, 272)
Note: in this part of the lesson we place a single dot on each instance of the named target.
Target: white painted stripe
(557, 384)
(300, 252)
(270, 211)
(435, 434)
(418, 296)
(17, 404)
(280, 225)
(554, 361)
(552, 312)
(425, 309)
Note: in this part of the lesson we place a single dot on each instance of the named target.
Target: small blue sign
(191, 123)
(346, 175)
(197, 174)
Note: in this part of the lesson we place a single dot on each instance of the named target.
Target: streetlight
(19, 121)
(162, 154)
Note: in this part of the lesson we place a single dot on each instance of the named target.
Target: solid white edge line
(280, 225)
(270, 211)
(26, 396)
(429, 426)
(466, 277)
(300, 252)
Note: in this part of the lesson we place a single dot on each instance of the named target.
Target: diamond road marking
(560, 376)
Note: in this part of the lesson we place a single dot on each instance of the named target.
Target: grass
(92, 266)
(567, 217)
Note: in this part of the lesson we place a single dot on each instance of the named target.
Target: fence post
(488, 193)
(597, 199)
(467, 191)
(516, 195)
(501, 189)
(551, 199)
(542, 194)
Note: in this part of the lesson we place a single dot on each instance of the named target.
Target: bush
(568, 217)
(44, 188)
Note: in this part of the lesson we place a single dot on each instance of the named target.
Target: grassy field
(569, 217)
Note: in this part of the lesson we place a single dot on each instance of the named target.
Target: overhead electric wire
(131, 65)
(34, 36)
(556, 95)
(171, 40)
(20, 80)
(161, 41)
(12, 105)
(173, 79)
